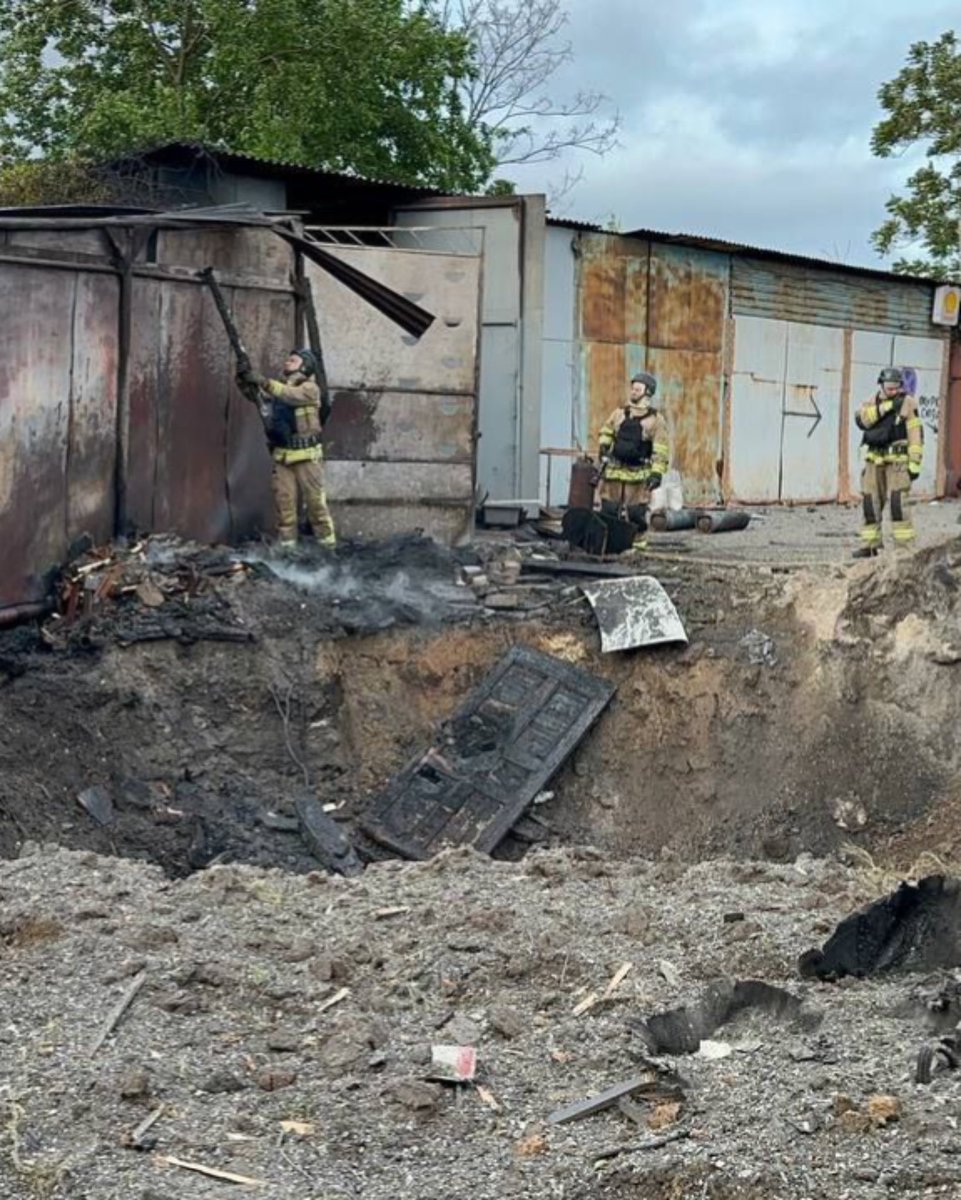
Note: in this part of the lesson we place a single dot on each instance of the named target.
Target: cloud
(746, 122)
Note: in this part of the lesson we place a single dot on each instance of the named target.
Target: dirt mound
(284, 1026)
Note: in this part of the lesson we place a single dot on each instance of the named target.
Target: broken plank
(561, 567)
(619, 977)
(211, 1172)
(334, 999)
(596, 1104)
(585, 1005)
(113, 1020)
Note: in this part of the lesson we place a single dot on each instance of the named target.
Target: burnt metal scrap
(681, 1030)
(915, 928)
(491, 759)
(403, 312)
(634, 612)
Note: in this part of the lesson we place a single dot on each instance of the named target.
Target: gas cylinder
(580, 493)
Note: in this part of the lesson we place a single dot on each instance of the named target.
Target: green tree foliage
(923, 107)
(366, 85)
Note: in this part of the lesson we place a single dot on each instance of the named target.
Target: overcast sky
(745, 120)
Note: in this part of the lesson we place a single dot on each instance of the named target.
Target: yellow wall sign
(947, 305)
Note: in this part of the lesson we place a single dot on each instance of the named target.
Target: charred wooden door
(491, 759)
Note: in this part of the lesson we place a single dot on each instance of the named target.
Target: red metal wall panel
(57, 404)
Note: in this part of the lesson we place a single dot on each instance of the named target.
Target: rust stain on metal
(351, 431)
(400, 426)
(613, 289)
(36, 317)
(688, 300)
(690, 381)
(605, 371)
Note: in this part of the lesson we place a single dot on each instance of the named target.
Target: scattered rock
(222, 1082)
(532, 1146)
(135, 1085)
(506, 1021)
(284, 1041)
(272, 1080)
(883, 1110)
(461, 1030)
(665, 1115)
(416, 1094)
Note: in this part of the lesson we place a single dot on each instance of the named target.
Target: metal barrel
(722, 522)
(671, 520)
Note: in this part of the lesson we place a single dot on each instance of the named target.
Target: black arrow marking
(815, 416)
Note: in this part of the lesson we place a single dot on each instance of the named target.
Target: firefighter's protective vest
(294, 430)
(631, 447)
(890, 429)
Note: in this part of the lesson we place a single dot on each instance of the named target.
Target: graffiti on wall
(928, 406)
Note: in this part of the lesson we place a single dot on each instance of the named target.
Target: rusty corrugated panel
(144, 382)
(688, 299)
(690, 386)
(198, 464)
(36, 365)
(785, 292)
(93, 415)
(400, 441)
(613, 288)
(687, 318)
(268, 322)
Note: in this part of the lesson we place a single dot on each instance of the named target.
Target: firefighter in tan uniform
(634, 455)
(893, 438)
(293, 430)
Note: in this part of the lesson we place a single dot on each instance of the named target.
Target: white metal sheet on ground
(632, 612)
(760, 351)
(812, 412)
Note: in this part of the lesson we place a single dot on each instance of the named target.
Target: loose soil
(810, 723)
(286, 1022)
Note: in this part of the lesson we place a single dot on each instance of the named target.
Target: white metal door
(757, 394)
(811, 412)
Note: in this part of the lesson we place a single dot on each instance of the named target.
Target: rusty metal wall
(400, 441)
(197, 464)
(57, 414)
(662, 308)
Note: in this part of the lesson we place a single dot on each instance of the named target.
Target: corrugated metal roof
(705, 242)
(273, 166)
(720, 244)
(821, 296)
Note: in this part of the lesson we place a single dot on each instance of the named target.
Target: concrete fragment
(714, 1050)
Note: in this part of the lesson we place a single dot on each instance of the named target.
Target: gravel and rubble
(285, 1025)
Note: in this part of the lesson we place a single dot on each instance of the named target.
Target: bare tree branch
(517, 51)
